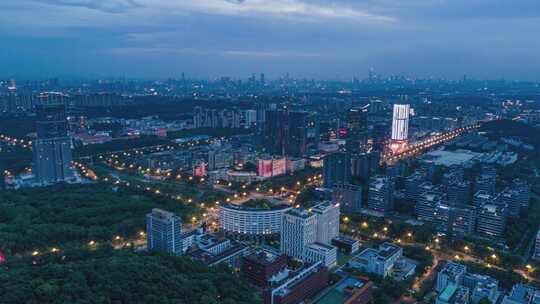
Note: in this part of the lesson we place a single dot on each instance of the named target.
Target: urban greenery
(105, 275)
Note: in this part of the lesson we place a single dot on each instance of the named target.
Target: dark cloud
(314, 38)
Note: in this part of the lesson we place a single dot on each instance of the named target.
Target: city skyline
(311, 39)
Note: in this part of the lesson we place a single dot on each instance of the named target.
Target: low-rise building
(321, 252)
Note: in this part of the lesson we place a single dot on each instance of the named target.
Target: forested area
(106, 275)
(52, 216)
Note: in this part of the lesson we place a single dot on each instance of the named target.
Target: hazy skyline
(307, 38)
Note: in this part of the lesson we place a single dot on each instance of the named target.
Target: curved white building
(251, 222)
(400, 122)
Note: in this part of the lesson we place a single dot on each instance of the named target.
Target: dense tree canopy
(106, 275)
(52, 216)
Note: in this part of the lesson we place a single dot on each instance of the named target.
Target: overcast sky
(322, 39)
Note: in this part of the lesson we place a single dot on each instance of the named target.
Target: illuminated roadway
(421, 146)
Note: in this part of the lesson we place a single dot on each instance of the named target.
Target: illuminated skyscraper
(400, 122)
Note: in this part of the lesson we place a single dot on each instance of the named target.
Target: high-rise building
(380, 194)
(412, 186)
(298, 229)
(52, 148)
(400, 122)
(164, 232)
(537, 246)
(285, 132)
(486, 183)
(491, 220)
(523, 191)
(327, 221)
(462, 221)
(426, 205)
(336, 169)
(458, 193)
(348, 196)
(357, 125)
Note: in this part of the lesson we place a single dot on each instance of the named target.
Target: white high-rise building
(164, 232)
(400, 122)
(327, 221)
(298, 229)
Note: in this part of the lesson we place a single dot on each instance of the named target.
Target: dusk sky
(490, 39)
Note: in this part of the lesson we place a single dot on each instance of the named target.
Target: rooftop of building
(321, 246)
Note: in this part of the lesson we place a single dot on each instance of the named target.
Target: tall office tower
(52, 148)
(357, 125)
(361, 165)
(537, 246)
(400, 122)
(285, 132)
(412, 186)
(486, 183)
(458, 193)
(523, 191)
(491, 220)
(380, 194)
(164, 232)
(462, 220)
(327, 221)
(298, 229)
(336, 169)
(441, 218)
(426, 205)
(451, 273)
(348, 196)
(379, 135)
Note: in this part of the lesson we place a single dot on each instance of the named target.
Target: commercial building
(537, 246)
(451, 273)
(522, 294)
(164, 232)
(336, 169)
(299, 286)
(482, 287)
(348, 196)
(426, 205)
(251, 223)
(491, 220)
(327, 221)
(454, 294)
(400, 122)
(262, 266)
(380, 194)
(269, 166)
(286, 132)
(380, 261)
(462, 221)
(319, 252)
(347, 245)
(298, 229)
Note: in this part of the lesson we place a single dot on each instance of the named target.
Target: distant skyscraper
(336, 169)
(357, 126)
(298, 229)
(400, 122)
(52, 148)
(285, 132)
(164, 232)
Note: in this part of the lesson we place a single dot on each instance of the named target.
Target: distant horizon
(268, 78)
(319, 39)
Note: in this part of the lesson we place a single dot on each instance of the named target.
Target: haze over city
(306, 38)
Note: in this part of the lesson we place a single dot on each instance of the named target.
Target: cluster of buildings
(460, 207)
(309, 237)
(455, 285)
